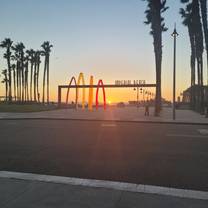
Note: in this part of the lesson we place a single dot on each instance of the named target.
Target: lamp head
(174, 34)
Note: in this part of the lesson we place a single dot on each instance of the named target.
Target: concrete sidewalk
(16, 193)
(131, 114)
(19, 193)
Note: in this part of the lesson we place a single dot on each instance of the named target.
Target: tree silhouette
(22, 63)
(31, 56)
(22, 58)
(46, 46)
(203, 6)
(38, 62)
(187, 16)
(7, 43)
(19, 57)
(199, 52)
(35, 77)
(16, 57)
(192, 19)
(154, 18)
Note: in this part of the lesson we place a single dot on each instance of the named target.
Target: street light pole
(143, 96)
(137, 91)
(174, 34)
(137, 97)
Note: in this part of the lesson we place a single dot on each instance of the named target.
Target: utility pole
(174, 34)
(137, 97)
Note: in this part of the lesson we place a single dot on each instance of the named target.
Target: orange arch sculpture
(90, 98)
(81, 78)
(67, 95)
(100, 84)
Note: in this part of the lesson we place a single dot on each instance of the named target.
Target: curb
(106, 120)
(137, 188)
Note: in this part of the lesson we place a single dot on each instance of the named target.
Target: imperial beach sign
(129, 82)
(80, 84)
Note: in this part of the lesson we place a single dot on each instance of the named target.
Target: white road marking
(108, 125)
(139, 188)
(187, 135)
(203, 131)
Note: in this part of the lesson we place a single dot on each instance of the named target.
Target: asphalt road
(157, 154)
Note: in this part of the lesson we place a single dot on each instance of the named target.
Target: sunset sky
(104, 38)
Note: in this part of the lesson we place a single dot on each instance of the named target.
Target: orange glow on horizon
(112, 95)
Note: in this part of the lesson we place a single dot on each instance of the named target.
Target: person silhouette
(146, 113)
(38, 97)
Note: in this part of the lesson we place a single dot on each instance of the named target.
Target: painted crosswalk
(108, 125)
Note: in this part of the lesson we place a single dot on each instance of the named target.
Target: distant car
(121, 105)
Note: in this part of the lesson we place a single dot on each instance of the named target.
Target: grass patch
(25, 108)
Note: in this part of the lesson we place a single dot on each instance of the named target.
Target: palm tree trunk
(34, 79)
(26, 82)
(27, 89)
(199, 84)
(10, 76)
(192, 64)
(158, 63)
(23, 84)
(20, 83)
(31, 79)
(17, 79)
(27, 92)
(37, 84)
(14, 82)
(6, 86)
(48, 79)
(202, 85)
(193, 94)
(44, 75)
(158, 85)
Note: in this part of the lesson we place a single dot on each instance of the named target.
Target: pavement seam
(106, 120)
(122, 186)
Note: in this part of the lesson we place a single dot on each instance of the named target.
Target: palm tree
(46, 52)
(197, 26)
(31, 54)
(35, 77)
(22, 47)
(154, 11)
(192, 19)
(16, 58)
(38, 61)
(19, 56)
(187, 15)
(5, 81)
(203, 7)
(7, 43)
